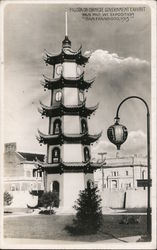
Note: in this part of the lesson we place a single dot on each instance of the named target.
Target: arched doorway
(55, 155)
(56, 186)
(56, 190)
(57, 126)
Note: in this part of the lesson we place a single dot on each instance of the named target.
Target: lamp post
(117, 134)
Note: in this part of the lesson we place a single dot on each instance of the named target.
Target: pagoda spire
(66, 23)
(66, 42)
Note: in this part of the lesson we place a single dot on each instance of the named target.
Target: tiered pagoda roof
(61, 82)
(59, 139)
(52, 111)
(61, 166)
(66, 54)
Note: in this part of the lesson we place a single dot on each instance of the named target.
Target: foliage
(50, 200)
(47, 212)
(126, 219)
(7, 198)
(89, 213)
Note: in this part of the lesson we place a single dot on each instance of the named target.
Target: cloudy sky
(120, 60)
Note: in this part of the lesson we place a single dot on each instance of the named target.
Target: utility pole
(102, 169)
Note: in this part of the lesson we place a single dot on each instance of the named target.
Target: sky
(120, 61)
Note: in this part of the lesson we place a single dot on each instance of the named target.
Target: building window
(58, 96)
(86, 154)
(127, 173)
(55, 155)
(57, 126)
(84, 126)
(143, 174)
(34, 172)
(13, 187)
(114, 173)
(114, 184)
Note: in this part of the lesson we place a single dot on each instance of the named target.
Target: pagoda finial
(66, 23)
(66, 42)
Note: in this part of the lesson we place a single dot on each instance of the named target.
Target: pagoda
(68, 167)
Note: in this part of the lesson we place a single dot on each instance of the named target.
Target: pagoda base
(69, 185)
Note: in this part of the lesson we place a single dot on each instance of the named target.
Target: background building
(121, 173)
(21, 175)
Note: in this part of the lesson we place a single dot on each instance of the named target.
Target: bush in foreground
(88, 213)
(50, 200)
(7, 198)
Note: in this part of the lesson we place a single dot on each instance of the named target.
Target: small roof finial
(66, 23)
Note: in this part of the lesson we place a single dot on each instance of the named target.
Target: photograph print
(78, 125)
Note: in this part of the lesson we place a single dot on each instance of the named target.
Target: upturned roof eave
(60, 138)
(47, 110)
(62, 56)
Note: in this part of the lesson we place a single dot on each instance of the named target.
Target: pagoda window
(86, 154)
(59, 69)
(58, 96)
(79, 70)
(57, 127)
(84, 126)
(55, 155)
(81, 96)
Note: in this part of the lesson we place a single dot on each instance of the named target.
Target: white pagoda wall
(69, 69)
(73, 183)
(70, 96)
(71, 124)
(72, 153)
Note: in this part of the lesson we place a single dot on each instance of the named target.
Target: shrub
(50, 200)
(7, 198)
(126, 219)
(47, 212)
(88, 213)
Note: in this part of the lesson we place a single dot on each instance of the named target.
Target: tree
(50, 200)
(89, 213)
(7, 198)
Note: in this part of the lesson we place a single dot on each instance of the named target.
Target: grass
(52, 227)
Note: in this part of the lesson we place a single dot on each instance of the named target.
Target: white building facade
(121, 173)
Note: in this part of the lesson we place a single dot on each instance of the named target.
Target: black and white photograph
(78, 124)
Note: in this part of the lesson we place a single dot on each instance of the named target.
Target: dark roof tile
(32, 156)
